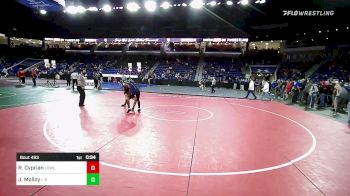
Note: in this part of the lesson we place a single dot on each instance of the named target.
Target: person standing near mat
(22, 75)
(251, 88)
(213, 84)
(5, 72)
(201, 85)
(34, 76)
(336, 95)
(81, 88)
(68, 78)
(266, 90)
(74, 77)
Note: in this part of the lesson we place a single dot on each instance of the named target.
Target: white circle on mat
(265, 169)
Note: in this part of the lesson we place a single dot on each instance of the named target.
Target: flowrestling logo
(307, 13)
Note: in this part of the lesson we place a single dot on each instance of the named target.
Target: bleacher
(223, 69)
(177, 68)
(332, 69)
(293, 70)
(173, 70)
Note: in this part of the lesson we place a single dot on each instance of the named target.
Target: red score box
(93, 167)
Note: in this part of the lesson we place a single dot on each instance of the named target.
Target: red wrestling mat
(182, 145)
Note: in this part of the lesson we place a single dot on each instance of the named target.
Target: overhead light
(43, 12)
(184, 5)
(165, 5)
(71, 10)
(197, 4)
(107, 8)
(229, 2)
(150, 5)
(312, 39)
(132, 6)
(319, 31)
(92, 9)
(212, 3)
(347, 27)
(262, 1)
(243, 2)
(336, 29)
(327, 38)
(80, 9)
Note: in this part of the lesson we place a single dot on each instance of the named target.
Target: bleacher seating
(184, 47)
(112, 46)
(177, 68)
(223, 69)
(293, 70)
(143, 46)
(223, 47)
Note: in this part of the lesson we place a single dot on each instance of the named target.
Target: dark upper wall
(177, 22)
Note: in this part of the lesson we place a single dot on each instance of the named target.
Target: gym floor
(177, 145)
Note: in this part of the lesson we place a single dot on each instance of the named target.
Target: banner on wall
(138, 67)
(130, 66)
(53, 63)
(47, 63)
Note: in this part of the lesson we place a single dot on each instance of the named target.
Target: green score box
(93, 179)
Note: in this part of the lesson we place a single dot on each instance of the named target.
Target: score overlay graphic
(58, 169)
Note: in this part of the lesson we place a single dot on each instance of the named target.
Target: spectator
(288, 89)
(22, 76)
(312, 95)
(336, 95)
(34, 76)
(4, 72)
(67, 76)
(266, 90)
(251, 88)
(213, 84)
